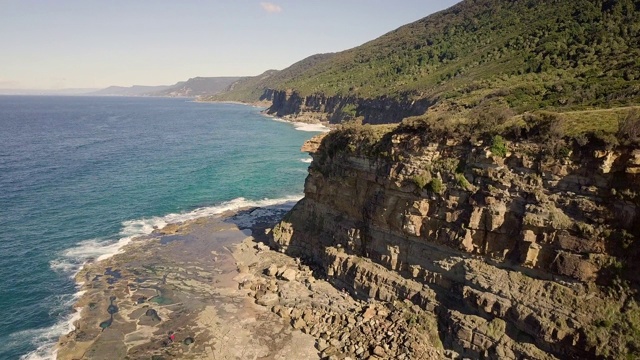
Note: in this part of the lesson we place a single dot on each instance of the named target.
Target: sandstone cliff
(519, 255)
(334, 109)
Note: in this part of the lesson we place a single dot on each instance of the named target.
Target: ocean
(81, 176)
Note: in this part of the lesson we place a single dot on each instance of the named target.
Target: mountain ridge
(134, 90)
(193, 87)
(521, 55)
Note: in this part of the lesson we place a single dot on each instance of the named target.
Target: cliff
(518, 252)
(290, 105)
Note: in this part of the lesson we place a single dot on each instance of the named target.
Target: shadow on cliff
(379, 110)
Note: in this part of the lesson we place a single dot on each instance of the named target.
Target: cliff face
(320, 108)
(520, 255)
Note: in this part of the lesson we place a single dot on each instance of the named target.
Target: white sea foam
(310, 127)
(307, 160)
(72, 260)
(300, 126)
(45, 339)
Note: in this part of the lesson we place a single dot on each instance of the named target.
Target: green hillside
(247, 89)
(522, 54)
(250, 89)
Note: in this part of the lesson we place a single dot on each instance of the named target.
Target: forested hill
(524, 54)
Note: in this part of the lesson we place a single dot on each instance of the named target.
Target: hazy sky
(52, 44)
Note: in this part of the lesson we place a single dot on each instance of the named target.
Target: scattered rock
(169, 229)
(369, 313)
(267, 299)
(272, 270)
(289, 275)
(378, 351)
(299, 324)
(242, 268)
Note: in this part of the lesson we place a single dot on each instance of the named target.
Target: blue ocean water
(79, 176)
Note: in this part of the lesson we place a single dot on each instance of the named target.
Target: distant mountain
(252, 88)
(135, 90)
(197, 86)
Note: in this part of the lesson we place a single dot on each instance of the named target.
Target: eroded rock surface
(521, 256)
(342, 326)
(183, 279)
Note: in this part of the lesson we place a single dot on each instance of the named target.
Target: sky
(56, 44)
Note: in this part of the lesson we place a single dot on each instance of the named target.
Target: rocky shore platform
(222, 293)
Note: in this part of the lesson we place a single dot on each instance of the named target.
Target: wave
(73, 259)
(307, 160)
(310, 127)
(45, 339)
(300, 126)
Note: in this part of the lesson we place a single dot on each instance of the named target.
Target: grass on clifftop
(558, 133)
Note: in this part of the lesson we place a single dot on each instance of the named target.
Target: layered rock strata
(343, 328)
(519, 256)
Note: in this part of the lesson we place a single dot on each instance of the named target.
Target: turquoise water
(79, 176)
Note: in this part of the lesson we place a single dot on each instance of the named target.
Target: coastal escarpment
(518, 251)
(290, 105)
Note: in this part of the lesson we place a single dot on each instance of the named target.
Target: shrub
(629, 128)
(558, 219)
(603, 138)
(462, 181)
(436, 186)
(498, 146)
(489, 117)
(586, 230)
(349, 111)
(564, 151)
(449, 165)
(421, 180)
(543, 126)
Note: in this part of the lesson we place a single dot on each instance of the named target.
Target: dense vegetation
(523, 55)
(251, 89)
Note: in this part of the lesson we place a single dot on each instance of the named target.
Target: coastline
(91, 275)
(95, 254)
(216, 286)
(90, 254)
(190, 261)
(310, 126)
(322, 127)
(87, 244)
(257, 104)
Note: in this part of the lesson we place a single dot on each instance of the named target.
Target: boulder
(289, 275)
(272, 270)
